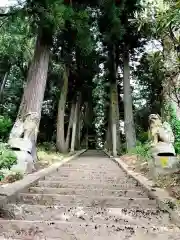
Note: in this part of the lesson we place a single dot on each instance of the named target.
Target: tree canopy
(94, 51)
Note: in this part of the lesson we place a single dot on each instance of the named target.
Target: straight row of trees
(69, 61)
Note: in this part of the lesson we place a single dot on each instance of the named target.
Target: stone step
(92, 179)
(85, 192)
(90, 174)
(92, 170)
(91, 166)
(87, 185)
(92, 201)
(147, 217)
(86, 172)
(63, 230)
(69, 173)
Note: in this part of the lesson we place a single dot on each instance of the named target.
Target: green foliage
(142, 151)
(142, 137)
(16, 43)
(7, 157)
(150, 76)
(5, 126)
(175, 124)
(148, 94)
(176, 127)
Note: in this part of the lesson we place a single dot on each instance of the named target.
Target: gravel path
(89, 198)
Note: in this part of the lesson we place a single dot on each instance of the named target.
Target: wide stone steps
(88, 201)
(86, 167)
(89, 174)
(75, 230)
(84, 214)
(85, 192)
(90, 198)
(90, 179)
(91, 170)
(86, 185)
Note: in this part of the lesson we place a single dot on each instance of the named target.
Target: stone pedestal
(164, 159)
(163, 148)
(25, 164)
(22, 148)
(164, 165)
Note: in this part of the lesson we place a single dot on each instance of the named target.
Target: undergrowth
(7, 159)
(142, 151)
(175, 124)
(47, 153)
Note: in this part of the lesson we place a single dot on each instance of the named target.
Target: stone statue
(158, 131)
(23, 141)
(162, 139)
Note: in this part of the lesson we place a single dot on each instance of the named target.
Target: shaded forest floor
(171, 183)
(46, 157)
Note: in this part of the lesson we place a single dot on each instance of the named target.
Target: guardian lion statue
(158, 131)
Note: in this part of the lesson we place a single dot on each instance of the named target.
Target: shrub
(142, 151)
(143, 137)
(175, 124)
(7, 157)
(5, 126)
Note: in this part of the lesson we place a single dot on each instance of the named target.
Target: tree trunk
(78, 128)
(74, 128)
(32, 99)
(36, 80)
(128, 111)
(60, 138)
(109, 137)
(114, 119)
(3, 85)
(114, 101)
(87, 137)
(69, 128)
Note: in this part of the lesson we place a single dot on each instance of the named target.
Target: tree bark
(74, 127)
(79, 121)
(79, 127)
(3, 85)
(60, 138)
(114, 119)
(109, 136)
(36, 80)
(69, 128)
(128, 111)
(114, 103)
(32, 99)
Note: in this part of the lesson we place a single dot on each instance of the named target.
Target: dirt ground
(171, 183)
(45, 159)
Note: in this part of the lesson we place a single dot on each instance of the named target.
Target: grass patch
(139, 159)
(47, 155)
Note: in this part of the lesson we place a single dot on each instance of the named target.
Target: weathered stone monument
(162, 149)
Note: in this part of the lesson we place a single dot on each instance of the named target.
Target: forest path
(88, 198)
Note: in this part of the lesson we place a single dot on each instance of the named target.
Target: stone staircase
(89, 198)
